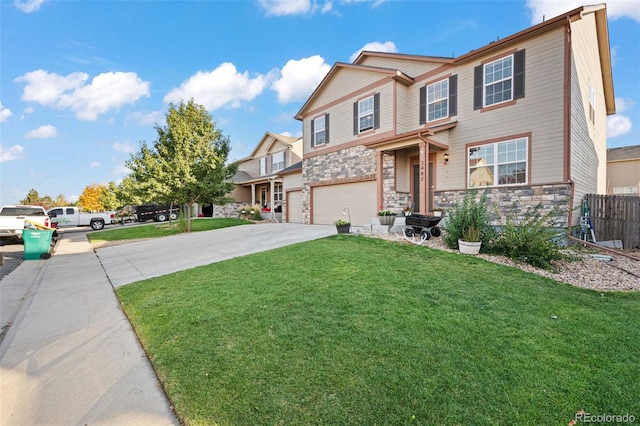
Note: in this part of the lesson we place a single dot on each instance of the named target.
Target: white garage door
(294, 207)
(330, 201)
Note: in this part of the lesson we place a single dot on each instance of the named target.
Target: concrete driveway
(131, 262)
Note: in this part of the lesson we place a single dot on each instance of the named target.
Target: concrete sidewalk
(70, 355)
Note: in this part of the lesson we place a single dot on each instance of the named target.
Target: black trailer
(156, 212)
(423, 225)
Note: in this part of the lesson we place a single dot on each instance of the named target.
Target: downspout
(423, 166)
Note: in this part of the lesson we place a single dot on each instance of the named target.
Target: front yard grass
(163, 229)
(357, 330)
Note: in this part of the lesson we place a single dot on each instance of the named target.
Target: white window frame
(319, 134)
(365, 114)
(277, 161)
(498, 160)
(263, 166)
(277, 192)
(501, 79)
(436, 96)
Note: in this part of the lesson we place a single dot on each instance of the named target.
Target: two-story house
(257, 180)
(523, 117)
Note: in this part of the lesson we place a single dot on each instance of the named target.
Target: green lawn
(155, 230)
(357, 330)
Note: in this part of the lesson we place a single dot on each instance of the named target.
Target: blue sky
(82, 83)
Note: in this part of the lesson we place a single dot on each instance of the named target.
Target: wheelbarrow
(423, 225)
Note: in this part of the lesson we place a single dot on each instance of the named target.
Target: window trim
(496, 164)
(315, 131)
(362, 116)
(274, 165)
(518, 80)
(493, 83)
(278, 191)
(446, 98)
(376, 114)
(262, 166)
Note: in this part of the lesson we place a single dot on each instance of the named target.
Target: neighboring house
(257, 180)
(623, 170)
(523, 117)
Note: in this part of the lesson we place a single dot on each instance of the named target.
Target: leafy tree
(61, 201)
(108, 197)
(90, 198)
(32, 198)
(187, 163)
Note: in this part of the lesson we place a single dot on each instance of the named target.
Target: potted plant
(437, 212)
(470, 242)
(386, 217)
(342, 226)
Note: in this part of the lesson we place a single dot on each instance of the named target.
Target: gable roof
(390, 72)
(287, 140)
(602, 35)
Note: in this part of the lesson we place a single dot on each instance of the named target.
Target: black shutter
(453, 95)
(376, 111)
(477, 87)
(326, 128)
(355, 118)
(313, 135)
(423, 104)
(518, 74)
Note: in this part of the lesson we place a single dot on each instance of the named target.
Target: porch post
(253, 194)
(272, 185)
(424, 177)
(379, 180)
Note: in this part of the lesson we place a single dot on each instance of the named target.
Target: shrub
(473, 212)
(531, 239)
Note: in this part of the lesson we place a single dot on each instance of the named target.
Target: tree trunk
(188, 217)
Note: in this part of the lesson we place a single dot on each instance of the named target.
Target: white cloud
(618, 125)
(224, 86)
(105, 92)
(9, 154)
(376, 46)
(151, 118)
(5, 113)
(552, 8)
(73, 198)
(123, 147)
(121, 170)
(624, 104)
(42, 132)
(28, 6)
(94, 164)
(299, 78)
(286, 7)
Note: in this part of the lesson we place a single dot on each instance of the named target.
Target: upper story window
(320, 130)
(263, 166)
(366, 114)
(277, 162)
(500, 163)
(439, 100)
(499, 81)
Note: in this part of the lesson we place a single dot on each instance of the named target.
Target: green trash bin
(37, 243)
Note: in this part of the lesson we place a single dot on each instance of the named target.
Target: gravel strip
(619, 274)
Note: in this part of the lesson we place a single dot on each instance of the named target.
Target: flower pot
(343, 229)
(386, 220)
(437, 213)
(469, 247)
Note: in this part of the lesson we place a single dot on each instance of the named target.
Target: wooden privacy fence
(615, 217)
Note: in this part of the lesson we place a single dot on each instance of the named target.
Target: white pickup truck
(72, 216)
(12, 219)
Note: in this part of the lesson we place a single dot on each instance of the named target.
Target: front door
(415, 185)
(263, 196)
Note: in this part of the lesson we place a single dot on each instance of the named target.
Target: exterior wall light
(446, 157)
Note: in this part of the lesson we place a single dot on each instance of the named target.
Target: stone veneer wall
(343, 166)
(550, 196)
(394, 201)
